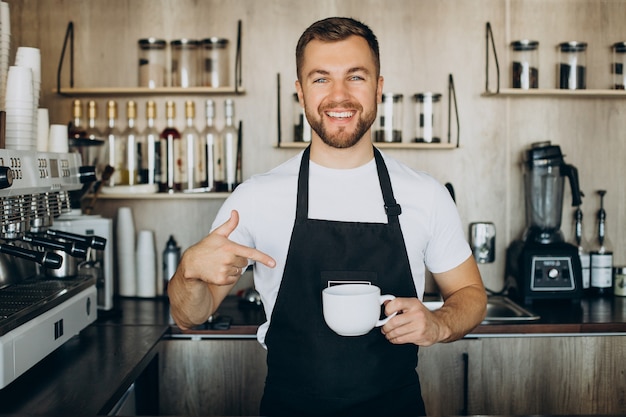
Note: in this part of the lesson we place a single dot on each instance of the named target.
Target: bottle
(192, 145)
(76, 128)
(92, 132)
(130, 136)
(170, 144)
(211, 138)
(230, 137)
(601, 255)
(583, 249)
(94, 151)
(150, 149)
(115, 146)
(171, 257)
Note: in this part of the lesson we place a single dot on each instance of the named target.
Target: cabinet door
(446, 371)
(551, 375)
(212, 377)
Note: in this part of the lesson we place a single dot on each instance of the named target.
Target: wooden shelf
(163, 196)
(517, 92)
(381, 145)
(139, 91)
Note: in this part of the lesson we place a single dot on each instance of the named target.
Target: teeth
(340, 115)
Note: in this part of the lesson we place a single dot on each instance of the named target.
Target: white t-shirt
(266, 204)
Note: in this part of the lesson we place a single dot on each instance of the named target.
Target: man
(339, 210)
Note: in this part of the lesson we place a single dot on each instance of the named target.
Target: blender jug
(544, 172)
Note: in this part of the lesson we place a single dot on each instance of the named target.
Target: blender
(543, 265)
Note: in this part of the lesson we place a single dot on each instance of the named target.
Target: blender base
(544, 271)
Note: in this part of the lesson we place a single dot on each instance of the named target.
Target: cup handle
(382, 299)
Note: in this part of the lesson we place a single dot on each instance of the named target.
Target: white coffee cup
(353, 309)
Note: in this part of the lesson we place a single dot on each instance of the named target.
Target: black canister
(171, 257)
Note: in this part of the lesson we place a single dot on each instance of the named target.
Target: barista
(338, 210)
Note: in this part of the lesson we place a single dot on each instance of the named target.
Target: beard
(342, 138)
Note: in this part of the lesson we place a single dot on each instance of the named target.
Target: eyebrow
(350, 71)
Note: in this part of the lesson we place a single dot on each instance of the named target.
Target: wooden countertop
(593, 315)
(89, 373)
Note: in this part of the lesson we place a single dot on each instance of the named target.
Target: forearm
(191, 301)
(461, 313)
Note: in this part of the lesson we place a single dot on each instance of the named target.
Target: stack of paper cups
(146, 264)
(19, 109)
(125, 245)
(31, 58)
(5, 49)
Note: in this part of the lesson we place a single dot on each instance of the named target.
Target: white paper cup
(146, 264)
(43, 129)
(353, 309)
(57, 139)
(125, 249)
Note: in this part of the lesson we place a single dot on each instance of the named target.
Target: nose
(340, 91)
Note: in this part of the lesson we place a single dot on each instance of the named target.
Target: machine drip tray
(27, 299)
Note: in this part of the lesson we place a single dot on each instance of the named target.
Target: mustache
(340, 104)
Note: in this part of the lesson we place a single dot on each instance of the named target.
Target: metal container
(483, 241)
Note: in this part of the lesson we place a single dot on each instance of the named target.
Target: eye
(356, 78)
(319, 80)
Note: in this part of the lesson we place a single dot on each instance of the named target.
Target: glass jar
(152, 67)
(572, 65)
(185, 63)
(214, 62)
(389, 121)
(427, 117)
(525, 64)
(619, 63)
(301, 127)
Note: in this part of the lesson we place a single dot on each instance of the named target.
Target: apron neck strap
(392, 208)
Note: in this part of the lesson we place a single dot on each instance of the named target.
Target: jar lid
(184, 42)
(421, 97)
(215, 42)
(524, 45)
(392, 96)
(152, 43)
(573, 46)
(619, 46)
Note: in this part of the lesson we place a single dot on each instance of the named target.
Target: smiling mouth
(340, 114)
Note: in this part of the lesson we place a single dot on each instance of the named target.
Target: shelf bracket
(489, 37)
(69, 36)
(238, 77)
(452, 98)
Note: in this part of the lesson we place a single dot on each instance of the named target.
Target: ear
(379, 89)
(299, 91)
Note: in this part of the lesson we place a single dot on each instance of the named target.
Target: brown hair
(334, 29)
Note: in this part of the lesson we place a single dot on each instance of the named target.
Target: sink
(500, 309)
(503, 309)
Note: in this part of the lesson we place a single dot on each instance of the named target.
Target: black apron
(311, 369)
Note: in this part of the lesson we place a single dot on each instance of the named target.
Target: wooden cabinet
(214, 377)
(495, 375)
(525, 375)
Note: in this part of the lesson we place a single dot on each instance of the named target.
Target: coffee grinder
(543, 265)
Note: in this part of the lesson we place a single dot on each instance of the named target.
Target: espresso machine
(542, 264)
(39, 312)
